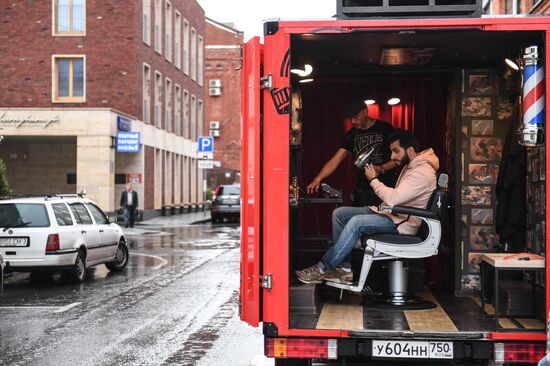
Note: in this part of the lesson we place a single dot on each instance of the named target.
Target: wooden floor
(451, 314)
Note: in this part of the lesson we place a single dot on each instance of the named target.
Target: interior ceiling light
(306, 80)
(302, 73)
(370, 101)
(512, 64)
(394, 101)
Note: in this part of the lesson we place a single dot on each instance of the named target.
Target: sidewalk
(150, 226)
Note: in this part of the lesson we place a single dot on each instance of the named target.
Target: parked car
(226, 202)
(59, 232)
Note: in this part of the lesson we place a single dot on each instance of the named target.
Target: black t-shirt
(357, 140)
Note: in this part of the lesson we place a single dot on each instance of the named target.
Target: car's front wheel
(121, 258)
(78, 272)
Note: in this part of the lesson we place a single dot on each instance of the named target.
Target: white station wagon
(59, 232)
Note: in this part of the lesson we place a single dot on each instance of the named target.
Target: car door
(108, 233)
(90, 233)
(66, 227)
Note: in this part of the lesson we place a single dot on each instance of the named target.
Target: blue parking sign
(206, 144)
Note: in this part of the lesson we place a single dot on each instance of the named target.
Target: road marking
(163, 261)
(56, 309)
(65, 308)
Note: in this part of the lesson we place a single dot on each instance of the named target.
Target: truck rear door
(250, 183)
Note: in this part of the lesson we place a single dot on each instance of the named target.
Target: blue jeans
(543, 361)
(348, 225)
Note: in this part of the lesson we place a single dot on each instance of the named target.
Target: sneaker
(339, 275)
(311, 274)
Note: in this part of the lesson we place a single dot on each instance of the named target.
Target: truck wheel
(121, 258)
(292, 362)
(78, 272)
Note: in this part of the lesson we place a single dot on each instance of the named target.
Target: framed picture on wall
(482, 237)
(464, 225)
(471, 282)
(504, 109)
(482, 173)
(474, 261)
(477, 107)
(476, 195)
(482, 216)
(483, 127)
(464, 136)
(483, 84)
(485, 149)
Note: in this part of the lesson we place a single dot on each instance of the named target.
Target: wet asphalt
(176, 303)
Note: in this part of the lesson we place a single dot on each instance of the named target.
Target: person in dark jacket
(129, 203)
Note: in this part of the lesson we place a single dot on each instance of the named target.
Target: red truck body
(265, 179)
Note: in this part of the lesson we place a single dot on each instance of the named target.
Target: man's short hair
(354, 106)
(406, 139)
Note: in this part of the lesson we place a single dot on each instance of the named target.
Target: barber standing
(366, 132)
(129, 202)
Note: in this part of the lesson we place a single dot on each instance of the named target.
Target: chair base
(396, 302)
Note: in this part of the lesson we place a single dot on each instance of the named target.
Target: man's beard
(404, 160)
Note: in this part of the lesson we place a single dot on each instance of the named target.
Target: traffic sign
(206, 164)
(206, 144)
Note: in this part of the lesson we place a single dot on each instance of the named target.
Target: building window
(200, 61)
(147, 22)
(186, 118)
(146, 93)
(168, 106)
(177, 111)
(158, 99)
(193, 54)
(177, 41)
(168, 30)
(158, 26)
(186, 47)
(69, 79)
(200, 117)
(193, 118)
(69, 17)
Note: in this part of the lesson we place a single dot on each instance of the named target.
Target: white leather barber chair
(395, 247)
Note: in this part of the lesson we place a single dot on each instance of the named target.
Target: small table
(507, 262)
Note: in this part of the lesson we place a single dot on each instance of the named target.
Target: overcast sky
(248, 15)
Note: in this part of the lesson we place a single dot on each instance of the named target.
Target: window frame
(159, 94)
(55, 21)
(168, 103)
(186, 46)
(200, 60)
(147, 93)
(146, 22)
(55, 79)
(168, 31)
(177, 40)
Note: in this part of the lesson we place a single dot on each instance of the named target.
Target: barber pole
(532, 131)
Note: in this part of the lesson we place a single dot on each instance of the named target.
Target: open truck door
(250, 296)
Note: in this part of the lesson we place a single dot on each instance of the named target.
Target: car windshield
(227, 190)
(23, 214)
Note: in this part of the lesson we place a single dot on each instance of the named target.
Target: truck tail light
(52, 243)
(519, 352)
(301, 348)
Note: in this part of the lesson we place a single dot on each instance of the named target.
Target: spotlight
(306, 81)
(394, 101)
(370, 101)
(512, 64)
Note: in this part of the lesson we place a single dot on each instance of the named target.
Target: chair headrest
(443, 180)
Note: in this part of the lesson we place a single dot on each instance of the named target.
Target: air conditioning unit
(215, 92)
(214, 125)
(215, 83)
(215, 133)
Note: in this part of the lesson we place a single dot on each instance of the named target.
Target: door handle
(83, 232)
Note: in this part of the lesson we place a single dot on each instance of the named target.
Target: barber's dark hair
(406, 139)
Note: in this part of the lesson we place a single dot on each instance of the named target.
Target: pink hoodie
(414, 187)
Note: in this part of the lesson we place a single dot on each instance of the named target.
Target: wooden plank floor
(451, 314)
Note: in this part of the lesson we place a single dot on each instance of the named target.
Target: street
(176, 303)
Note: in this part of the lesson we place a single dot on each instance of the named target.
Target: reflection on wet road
(171, 305)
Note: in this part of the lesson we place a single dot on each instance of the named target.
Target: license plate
(412, 349)
(14, 242)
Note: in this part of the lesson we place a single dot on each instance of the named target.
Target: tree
(4, 185)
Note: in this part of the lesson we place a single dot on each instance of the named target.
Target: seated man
(415, 185)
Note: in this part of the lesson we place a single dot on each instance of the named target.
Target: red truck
(457, 95)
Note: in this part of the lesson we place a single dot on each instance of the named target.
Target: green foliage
(4, 185)
(209, 194)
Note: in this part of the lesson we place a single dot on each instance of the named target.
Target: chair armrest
(420, 212)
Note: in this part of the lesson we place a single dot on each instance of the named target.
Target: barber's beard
(404, 160)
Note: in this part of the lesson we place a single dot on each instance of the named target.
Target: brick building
(76, 73)
(223, 115)
(501, 7)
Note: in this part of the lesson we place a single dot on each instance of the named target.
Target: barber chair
(395, 248)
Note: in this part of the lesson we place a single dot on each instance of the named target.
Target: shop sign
(127, 141)
(11, 121)
(123, 123)
(133, 178)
